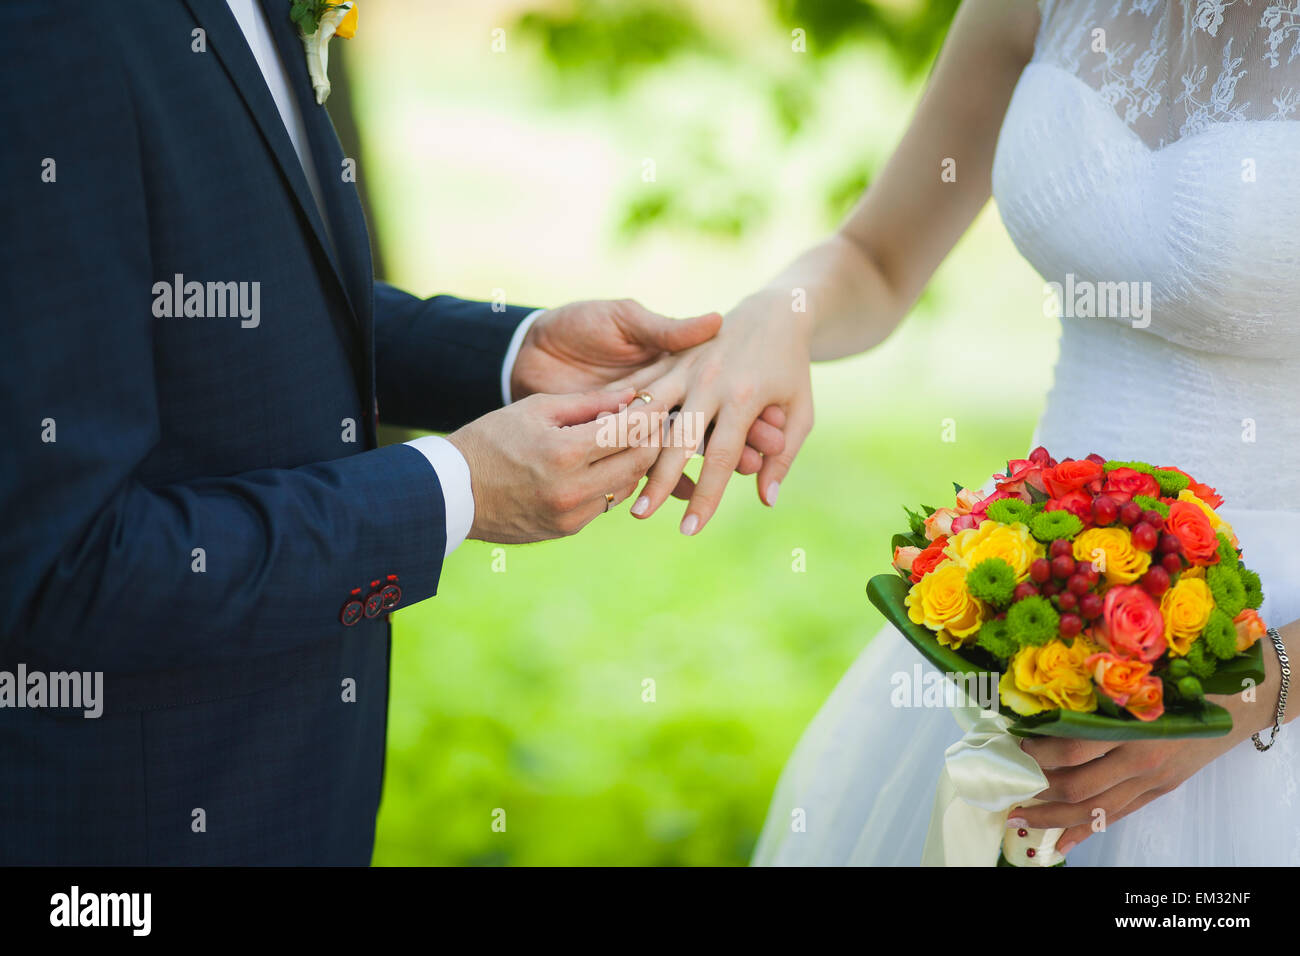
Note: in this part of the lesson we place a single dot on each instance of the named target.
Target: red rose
(929, 559)
(1131, 624)
(1078, 503)
(1021, 472)
(1188, 523)
(1123, 484)
(1070, 476)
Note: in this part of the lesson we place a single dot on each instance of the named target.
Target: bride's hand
(755, 370)
(1085, 776)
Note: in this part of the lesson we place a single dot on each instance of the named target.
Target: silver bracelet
(1281, 696)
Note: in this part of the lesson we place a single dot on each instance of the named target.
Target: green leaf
(887, 592)
(907, 540)
(957, 489)
(1036, 496)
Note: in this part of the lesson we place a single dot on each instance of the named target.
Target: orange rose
(1148, 702)
(1188, 524)
(1118, 677)
(929, 559)
(1202, 491)
(1250, 628)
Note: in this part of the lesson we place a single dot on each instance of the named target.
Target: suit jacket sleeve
(438, 361)
(100, 570)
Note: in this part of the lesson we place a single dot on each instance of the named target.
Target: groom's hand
(588, 345)
(542, 467)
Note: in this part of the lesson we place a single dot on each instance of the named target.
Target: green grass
(522, 689)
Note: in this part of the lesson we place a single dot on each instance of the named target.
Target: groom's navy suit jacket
(183, 510)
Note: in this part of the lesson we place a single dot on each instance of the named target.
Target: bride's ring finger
(667, 469)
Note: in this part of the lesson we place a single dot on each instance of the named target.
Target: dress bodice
(1147, 169)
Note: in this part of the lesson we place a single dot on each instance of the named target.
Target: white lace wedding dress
(1170, 156)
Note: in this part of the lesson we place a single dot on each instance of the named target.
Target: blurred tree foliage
(601, 48)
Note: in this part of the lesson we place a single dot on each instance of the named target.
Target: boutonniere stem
(318, 22)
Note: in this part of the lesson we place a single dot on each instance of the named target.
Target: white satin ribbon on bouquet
(984, 775)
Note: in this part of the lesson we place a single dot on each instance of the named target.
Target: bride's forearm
(839, 296)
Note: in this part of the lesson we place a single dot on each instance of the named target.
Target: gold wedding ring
(645, 397)
(609, 501)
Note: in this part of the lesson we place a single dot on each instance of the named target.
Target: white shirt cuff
(457, 493)
(512, 353)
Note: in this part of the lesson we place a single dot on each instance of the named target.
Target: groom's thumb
(672, 335)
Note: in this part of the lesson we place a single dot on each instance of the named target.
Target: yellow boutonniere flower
(318, 21)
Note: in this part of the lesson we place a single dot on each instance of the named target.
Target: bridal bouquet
(1106, 598)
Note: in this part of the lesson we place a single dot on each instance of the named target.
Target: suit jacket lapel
(226, 40)
(342, 204)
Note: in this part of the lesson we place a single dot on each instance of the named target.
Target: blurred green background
(505, 147)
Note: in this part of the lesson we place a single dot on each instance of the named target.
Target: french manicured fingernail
(1014, 823)
(1066, 847)
(690, 524)
(772, 490)
(641, 507)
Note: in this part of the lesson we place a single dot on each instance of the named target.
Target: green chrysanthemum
(1033, 620)
(1226, 588)
(1141, 466)
(1220, 635)
(1011, 511)
(1251, 585)
(992, 580)
(1170, 482)
(995, 637)
(1202, 663)
(1051, 525)
(1227, 553)
(1152, 504)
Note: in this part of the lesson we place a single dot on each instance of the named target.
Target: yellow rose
(1053, 676)
(347, 28)
(1217, 523)
(1186, 609)
(941, 602)
(1011, 542)
(1124, 563)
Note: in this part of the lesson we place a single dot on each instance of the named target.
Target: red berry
(1067, 601)
(1156, 581)
(1145, 536)
(1071, 625)
(1094, 457)
(1040, 456)
(1023, 590)
(1062, 566)
(1061, 547)
(1172, 563)
(1169, 544)
(1090, 605)
(1091, 573)
(1040, 569)
(1153, 518)
(1105, 510)
(1051, 589)
(1131, 513)
(1078, 583)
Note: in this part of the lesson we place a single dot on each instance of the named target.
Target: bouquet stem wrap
(984, 775)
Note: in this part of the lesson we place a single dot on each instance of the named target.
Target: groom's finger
(584, 407)
(662, 334)
(637, 424)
